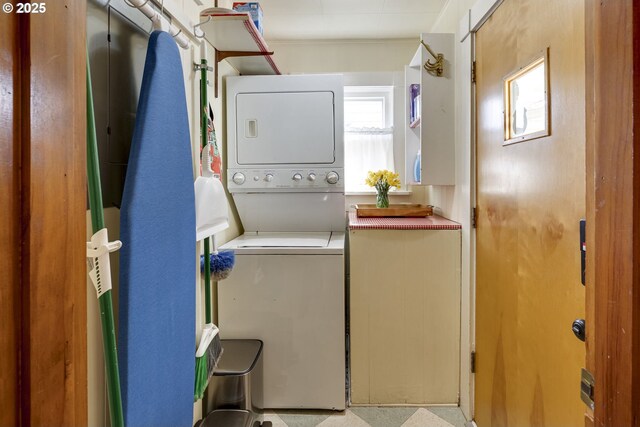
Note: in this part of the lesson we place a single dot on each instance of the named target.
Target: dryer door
(285, 128)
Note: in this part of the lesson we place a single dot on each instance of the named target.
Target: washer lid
(287, 243)
(285, 240)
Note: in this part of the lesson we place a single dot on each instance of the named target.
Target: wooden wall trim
(589, 195)
(613, 134)
(50, 137)
(56, 254)
(9, 223)
(23, 138)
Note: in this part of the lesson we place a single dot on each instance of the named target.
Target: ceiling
(348, 19)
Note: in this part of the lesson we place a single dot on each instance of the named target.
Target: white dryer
(285, 173)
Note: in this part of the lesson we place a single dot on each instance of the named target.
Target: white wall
(455, 201)
(342, 56)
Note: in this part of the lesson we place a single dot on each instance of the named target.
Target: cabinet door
(405, 316)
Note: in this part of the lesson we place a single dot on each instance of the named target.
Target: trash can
(228, 418)
(237, 381)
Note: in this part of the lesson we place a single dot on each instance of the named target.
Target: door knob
(578, 328)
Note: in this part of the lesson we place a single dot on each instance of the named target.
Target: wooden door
(530, 198)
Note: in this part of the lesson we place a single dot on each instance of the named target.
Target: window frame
(353, 93)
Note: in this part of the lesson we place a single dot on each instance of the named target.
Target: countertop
(433, 222)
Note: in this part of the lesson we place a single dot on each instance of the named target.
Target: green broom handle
(203, 138)
(105, 301)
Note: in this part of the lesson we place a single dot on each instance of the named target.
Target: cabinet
(404, 316)
(430, 116)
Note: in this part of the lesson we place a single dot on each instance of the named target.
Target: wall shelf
(430, 125)
(238, 41)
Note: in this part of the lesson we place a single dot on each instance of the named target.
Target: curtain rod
(160, 22)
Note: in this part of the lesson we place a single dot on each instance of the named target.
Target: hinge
(108, 37)
(587, 388)
(473, 72)
(473, 362)
(474, 217)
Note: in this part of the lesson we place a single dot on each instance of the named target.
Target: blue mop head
(221, 264)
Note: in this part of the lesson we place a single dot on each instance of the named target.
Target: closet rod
(160, 22)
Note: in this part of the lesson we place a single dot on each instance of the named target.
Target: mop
(98, 250)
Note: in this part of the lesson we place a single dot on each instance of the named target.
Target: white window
(368, 133)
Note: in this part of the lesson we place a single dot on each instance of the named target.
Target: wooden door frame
(43, 233)
(613, 209)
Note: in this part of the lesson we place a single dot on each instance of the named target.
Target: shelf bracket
(433, 68)
(221, 55)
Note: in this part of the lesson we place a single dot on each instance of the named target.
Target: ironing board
(157, 260)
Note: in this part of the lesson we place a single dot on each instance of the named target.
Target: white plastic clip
(209, 332)
(98, 250)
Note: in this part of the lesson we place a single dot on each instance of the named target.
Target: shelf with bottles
(430, 112)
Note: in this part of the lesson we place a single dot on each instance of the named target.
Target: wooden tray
(394, 210)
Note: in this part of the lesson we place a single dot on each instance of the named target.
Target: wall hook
(196, 28)
(434, 68)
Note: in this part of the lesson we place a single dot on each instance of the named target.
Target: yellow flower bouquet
(382, 180)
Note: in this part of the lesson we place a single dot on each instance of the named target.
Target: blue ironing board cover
(156, 336)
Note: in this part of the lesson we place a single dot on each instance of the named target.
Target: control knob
(268, 177)
(311, 177)
(297, 177)
(333, 177)
(238, 178)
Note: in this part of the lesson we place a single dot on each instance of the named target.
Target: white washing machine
(288, 291)
(285, 173)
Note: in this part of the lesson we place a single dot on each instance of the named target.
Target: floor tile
(364, 416)
(275, 419)
(425, 418)
(384, 416)
(295, 418)
(348, 419)
(452, 414)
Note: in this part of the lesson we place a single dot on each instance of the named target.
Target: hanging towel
(157, 264)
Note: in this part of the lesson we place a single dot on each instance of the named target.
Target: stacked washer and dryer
(285, 173)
